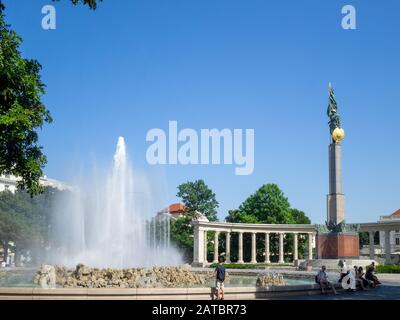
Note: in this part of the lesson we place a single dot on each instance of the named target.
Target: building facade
(10, 183)
(394, 235)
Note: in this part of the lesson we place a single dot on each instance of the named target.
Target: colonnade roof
(255, 228)
(384, 225)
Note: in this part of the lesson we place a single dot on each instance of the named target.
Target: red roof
(177, 208)
(395, 214)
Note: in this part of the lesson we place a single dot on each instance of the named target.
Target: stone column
(216, 244)
(336, 198)
(372, 245)
(198, 247)
(388, 260)
(310, 246)
(253, 248)
(240, 248)
(267, 252)
(228, 247)
(205, 247)
(296, 247)
(281, 255)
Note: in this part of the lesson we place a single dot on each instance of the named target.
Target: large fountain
(105, 236)
(107, 224)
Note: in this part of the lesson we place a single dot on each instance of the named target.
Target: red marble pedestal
(338, 246)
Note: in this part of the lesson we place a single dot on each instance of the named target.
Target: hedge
(248, 266)
(388, 269)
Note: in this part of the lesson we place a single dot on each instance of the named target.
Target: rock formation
(46, 277)
(157, 277)
(273, 279)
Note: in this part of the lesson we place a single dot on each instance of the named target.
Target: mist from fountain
(105, 223)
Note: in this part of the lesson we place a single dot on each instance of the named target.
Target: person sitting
(358, 277)
(366, 282)
(323, 281)
(369, 275)
(343, 270)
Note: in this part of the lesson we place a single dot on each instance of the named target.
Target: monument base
(338, 246)
(332, 265)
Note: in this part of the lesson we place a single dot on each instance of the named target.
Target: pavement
(389, 290)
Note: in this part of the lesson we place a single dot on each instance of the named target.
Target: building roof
(174, 208)
(395, 214)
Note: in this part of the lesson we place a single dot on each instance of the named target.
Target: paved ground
(389, 290)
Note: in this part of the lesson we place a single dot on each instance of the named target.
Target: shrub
(246, 266)
(388, 269)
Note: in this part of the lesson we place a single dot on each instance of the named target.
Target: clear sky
(133, 65)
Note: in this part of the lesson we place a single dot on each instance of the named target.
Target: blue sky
(134, 65)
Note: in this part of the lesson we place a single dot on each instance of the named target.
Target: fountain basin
(231, 293)
(240, 285)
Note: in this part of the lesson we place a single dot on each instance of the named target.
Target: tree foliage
(92, 4)
(25, 221)
(268, 205)
(197, 196)
(182, 235)
(22, 113)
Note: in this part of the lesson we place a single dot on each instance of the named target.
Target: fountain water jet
(104, 225)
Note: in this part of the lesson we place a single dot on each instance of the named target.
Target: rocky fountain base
(85, 277)
(158, 277)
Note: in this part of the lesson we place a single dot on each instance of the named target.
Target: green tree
(197, 196)
(91, 3)
(267, 206)
(182, 235)
(25, 222)
(300, 217)
(22, 113)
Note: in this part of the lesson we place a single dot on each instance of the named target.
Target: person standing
(343, 270)
(220, 278)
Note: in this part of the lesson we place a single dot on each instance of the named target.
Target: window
(7, 176)
(7, 187)
(397, 241)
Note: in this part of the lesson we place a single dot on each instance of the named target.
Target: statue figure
(333, 115)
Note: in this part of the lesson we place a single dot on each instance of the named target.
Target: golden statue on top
(337, 132)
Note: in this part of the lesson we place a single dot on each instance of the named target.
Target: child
(220, 278)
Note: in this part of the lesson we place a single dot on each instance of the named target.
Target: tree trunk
(5, 250)
(16, 256)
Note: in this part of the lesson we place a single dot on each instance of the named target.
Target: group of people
(357, 278)
(350, 279)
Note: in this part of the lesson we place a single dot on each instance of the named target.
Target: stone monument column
(336, 240)
(267, 251)
(253, 248)
(310, 246)
(281, 254)
(387, 247)
(295, 247)
(205, 247)
(240, 248)
(198, 248)
(335, 198)
(216, 245)
(372, 245)
(228, 248)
